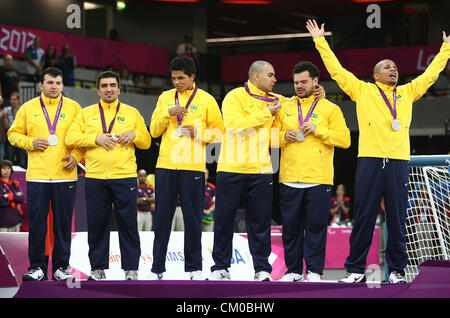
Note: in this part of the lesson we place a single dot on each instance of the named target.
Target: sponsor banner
(241, 263)
(90, 52)
(410, 60)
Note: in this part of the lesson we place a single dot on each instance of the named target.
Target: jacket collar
(385, 87)
(51, 101)
(255, 90)
(112, 105)
(306, 101)
(187, 92)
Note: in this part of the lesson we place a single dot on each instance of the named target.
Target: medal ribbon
(51, 127)
(177, 102)
(308, 115)
(102, 117)
(266, 99)
(386, 100)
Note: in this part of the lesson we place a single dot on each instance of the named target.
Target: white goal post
(428, 211)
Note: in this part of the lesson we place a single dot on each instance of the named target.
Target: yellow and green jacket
(248, 132)
(181, 152)
(376, 137)
(30, 123)
(311, 161)
(119, 162)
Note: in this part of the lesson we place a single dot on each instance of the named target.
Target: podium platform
(433, 281)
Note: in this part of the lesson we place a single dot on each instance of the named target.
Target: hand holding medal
(180, 112)
(306, 127)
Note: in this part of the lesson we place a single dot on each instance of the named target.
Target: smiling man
(384, 112)
(309, 131)
(40, 128)
(108, 132)
(187, 118)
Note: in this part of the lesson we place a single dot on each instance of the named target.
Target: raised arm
(419, 86)
(348, 82)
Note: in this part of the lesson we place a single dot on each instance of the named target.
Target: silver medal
(300, 136)
(396, 125)
(52, 140)
(114, 137)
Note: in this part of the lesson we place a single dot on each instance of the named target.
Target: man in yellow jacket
(309, 131)
(40, 128)
(108, 132)
(187, 118)
(384, 112)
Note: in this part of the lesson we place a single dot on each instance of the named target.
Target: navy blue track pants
(257, 192)
(189, 186)
(61, 196)
(103, 196)
(376, 178)
(304, 214)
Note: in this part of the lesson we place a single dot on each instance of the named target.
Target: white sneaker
(397, 278)
(353, 278)
(313, 277)
(262, 276)
(34, 274)
(97, 274)
(222, 274)
(62, 274)
(292, 277)
(155, 276)
(197, 275)
(131, 275)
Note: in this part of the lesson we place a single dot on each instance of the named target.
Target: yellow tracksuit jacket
(311, 161)
(248, 132)
(377, 138)
(119, 162)
(30, 123)
(180, 152)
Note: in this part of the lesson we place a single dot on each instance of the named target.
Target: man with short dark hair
(108, 132)
(309, 131)
(40, 127)
(188, 118)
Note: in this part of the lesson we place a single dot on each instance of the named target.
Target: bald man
(384, 112)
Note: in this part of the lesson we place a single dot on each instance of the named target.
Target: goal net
(428, 212)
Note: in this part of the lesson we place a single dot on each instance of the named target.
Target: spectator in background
(49, 59)
(16, 155)
(187, 48)
(3, 128)
(11, 198)
(109, 68)
(113, 35)
(340, 206)
(208, 212)
(138, 84)
(148, 84)
(67, 63)
(33, 55)
(9, 79)
(126, 84)
(145, 200)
